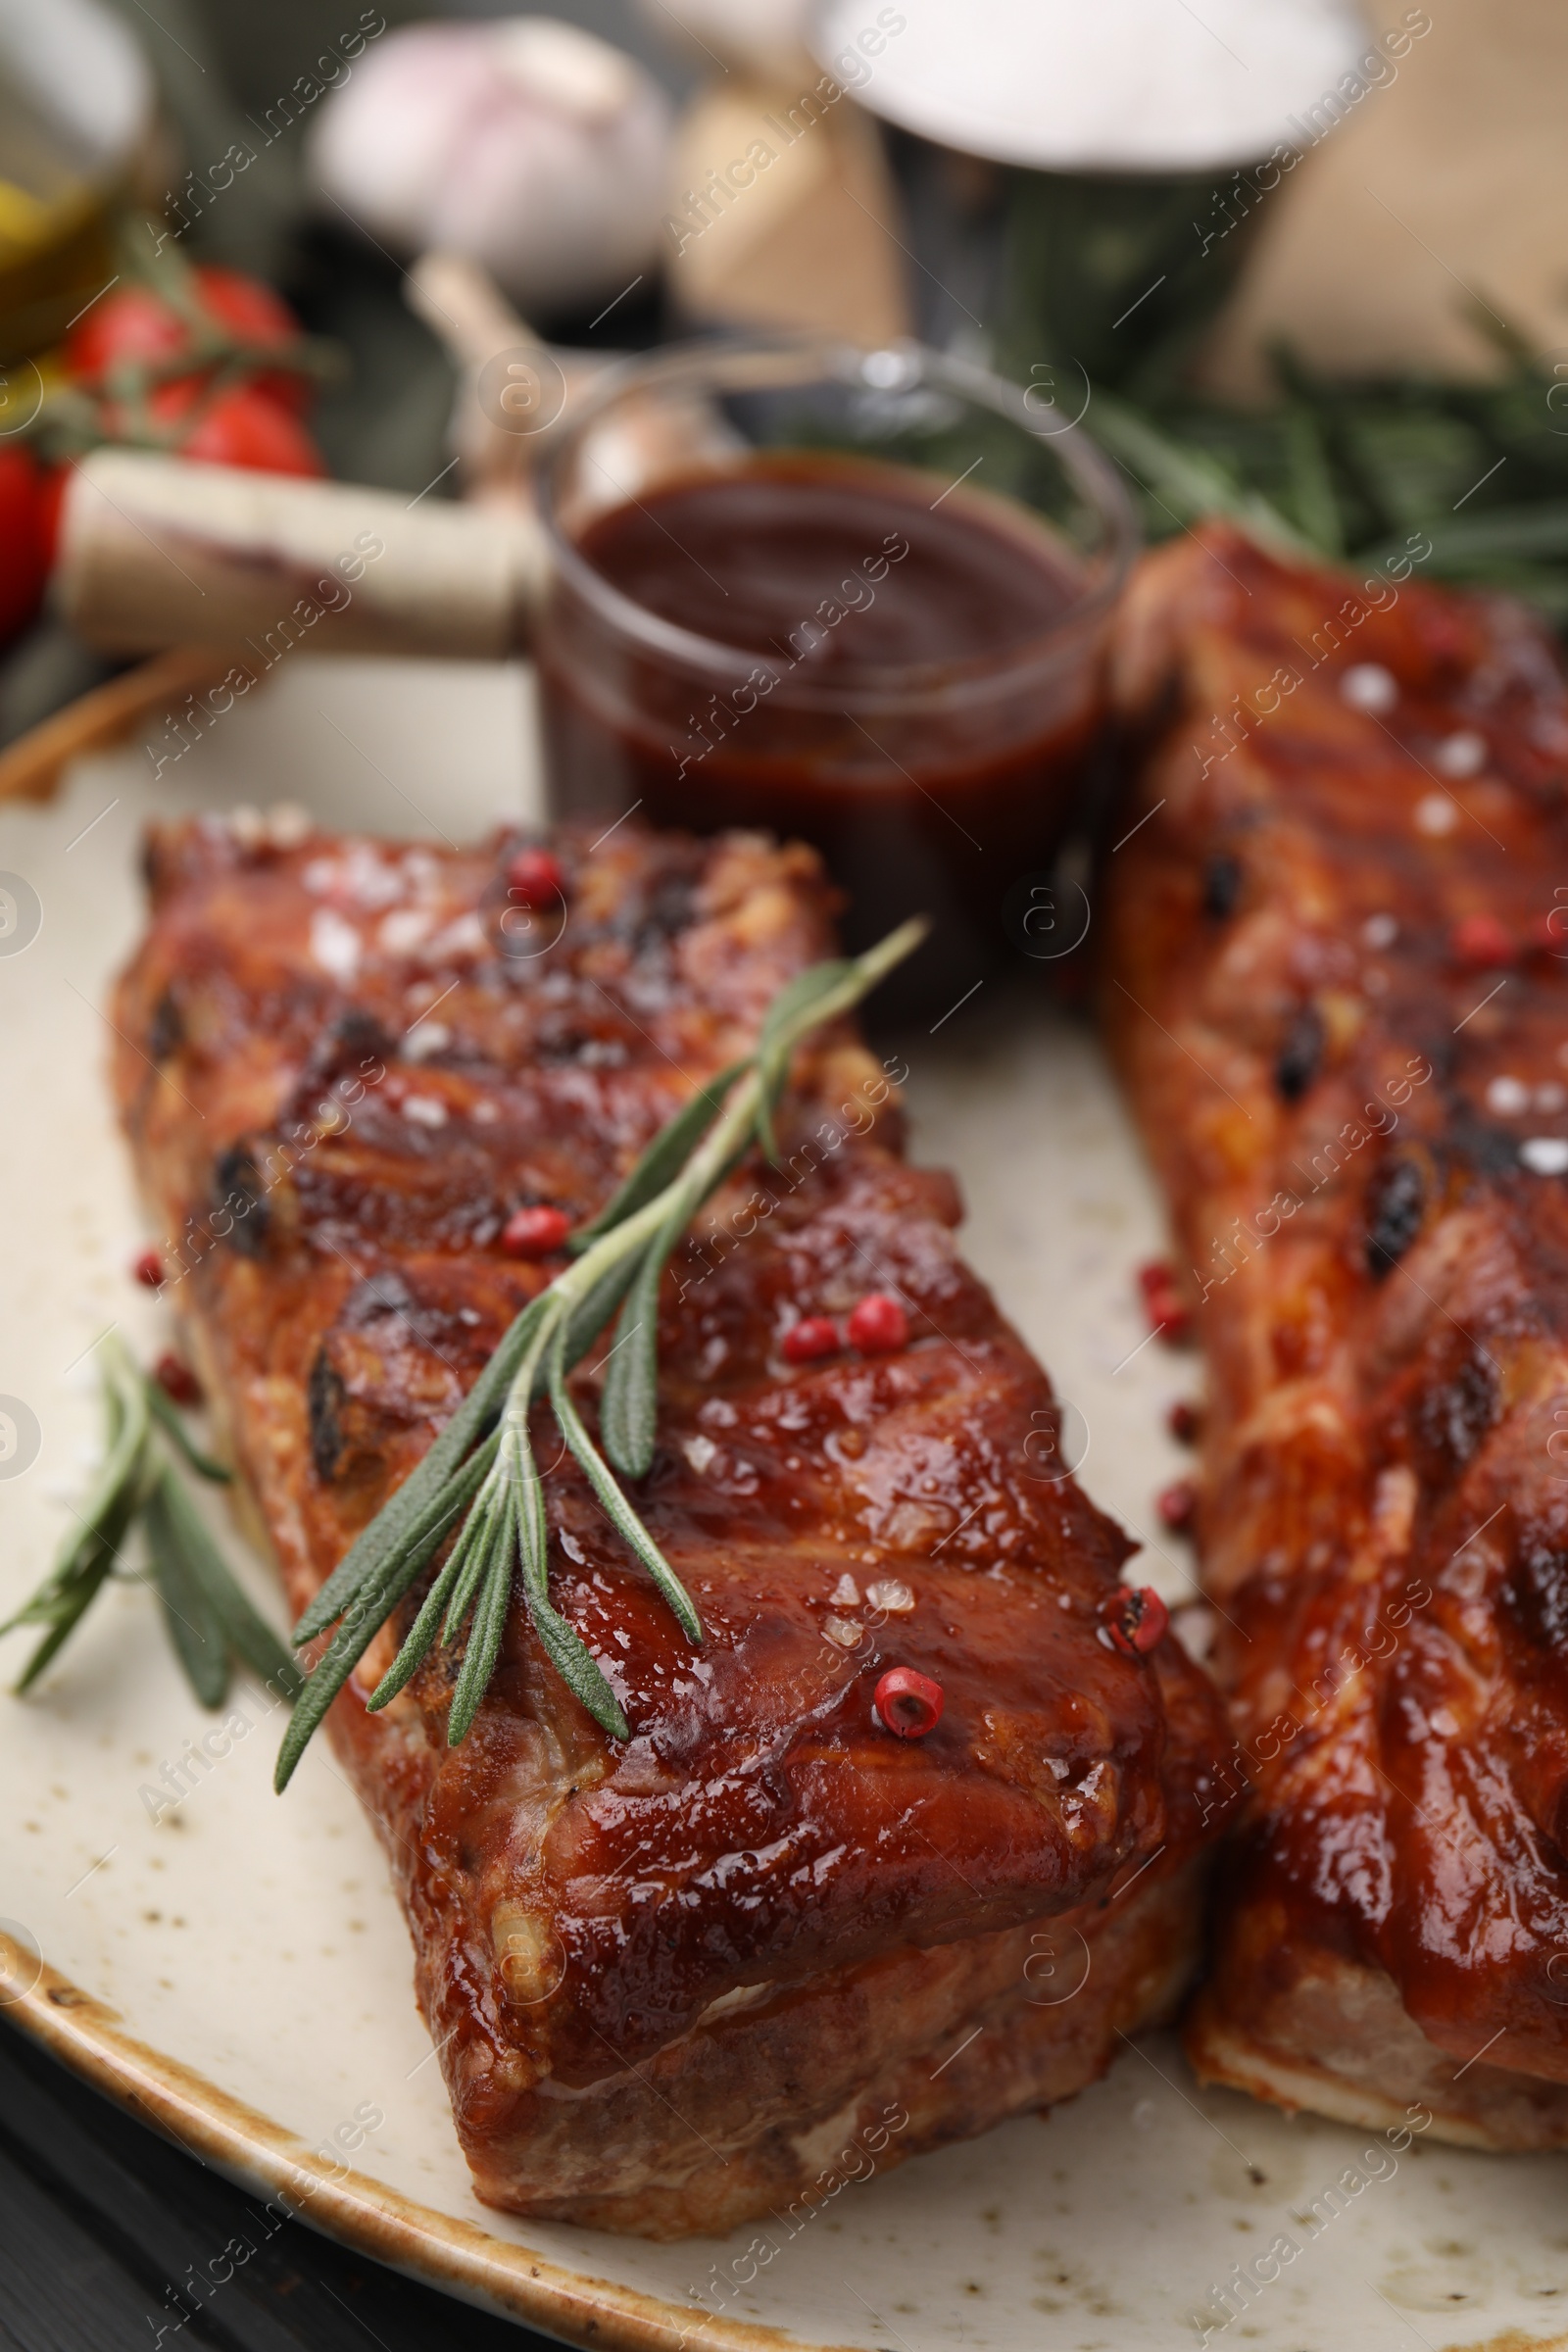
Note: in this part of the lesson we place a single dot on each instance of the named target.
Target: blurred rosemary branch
(211, 1623)
(1344, 468)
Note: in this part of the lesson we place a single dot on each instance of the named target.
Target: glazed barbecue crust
(1337, 992)
(671, 1979)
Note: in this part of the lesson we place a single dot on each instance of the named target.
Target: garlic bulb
(535, 148)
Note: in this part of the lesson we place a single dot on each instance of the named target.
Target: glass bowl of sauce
(859, 598)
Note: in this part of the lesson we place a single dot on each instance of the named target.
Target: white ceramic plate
(238, 1969)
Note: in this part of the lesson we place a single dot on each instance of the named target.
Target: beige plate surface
(238, 1970)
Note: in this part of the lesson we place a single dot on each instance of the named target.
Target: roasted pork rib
(1337, 987)
(671, 1981)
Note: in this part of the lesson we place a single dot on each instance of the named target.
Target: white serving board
(254, 1941)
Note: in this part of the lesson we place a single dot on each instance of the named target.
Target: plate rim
(457, 2257)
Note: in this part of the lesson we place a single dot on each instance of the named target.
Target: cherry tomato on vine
(23, 540)
(240, 427)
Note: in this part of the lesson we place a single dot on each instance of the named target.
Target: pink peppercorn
(812, 1337)
(1140, 1620)
(535, 878)
(1177, 1504)
(909, 1704)
(177, 1380)
(1480, 944)
(878, 1326)
(535, 1231)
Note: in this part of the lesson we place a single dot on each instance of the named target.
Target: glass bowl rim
(1088, 469)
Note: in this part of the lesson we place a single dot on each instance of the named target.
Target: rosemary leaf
(67, 1605)
(193, 1625)
(411, 1508)
(588, 1319)
(474, 1549)
(246, 1635)
(421, 1633)
(64, 1627)
(801, 994)
(628, 1407)
(372, 1604)
(363, 1620)
(103, 1518)
(1540, 531)
(857, 979)
(207, 1618)
(616, 1508)
(85, 1559)
(166, 1415)
(88, 1552)
(1312, 500)
(1194, 483)
(663, 1159)
(561, 1641)
(527, 1504)
(419, 1636)
(397, 1525)
(422, 1539)
(489, 1622)
(581, 1673)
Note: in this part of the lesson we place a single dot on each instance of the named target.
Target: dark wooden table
(101, 2222)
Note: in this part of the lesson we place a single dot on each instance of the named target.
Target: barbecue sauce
(908, 678)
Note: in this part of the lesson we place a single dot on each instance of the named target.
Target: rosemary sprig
(480, 1481)
(211, 1623)
(1357, 468)
(1197, 481)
